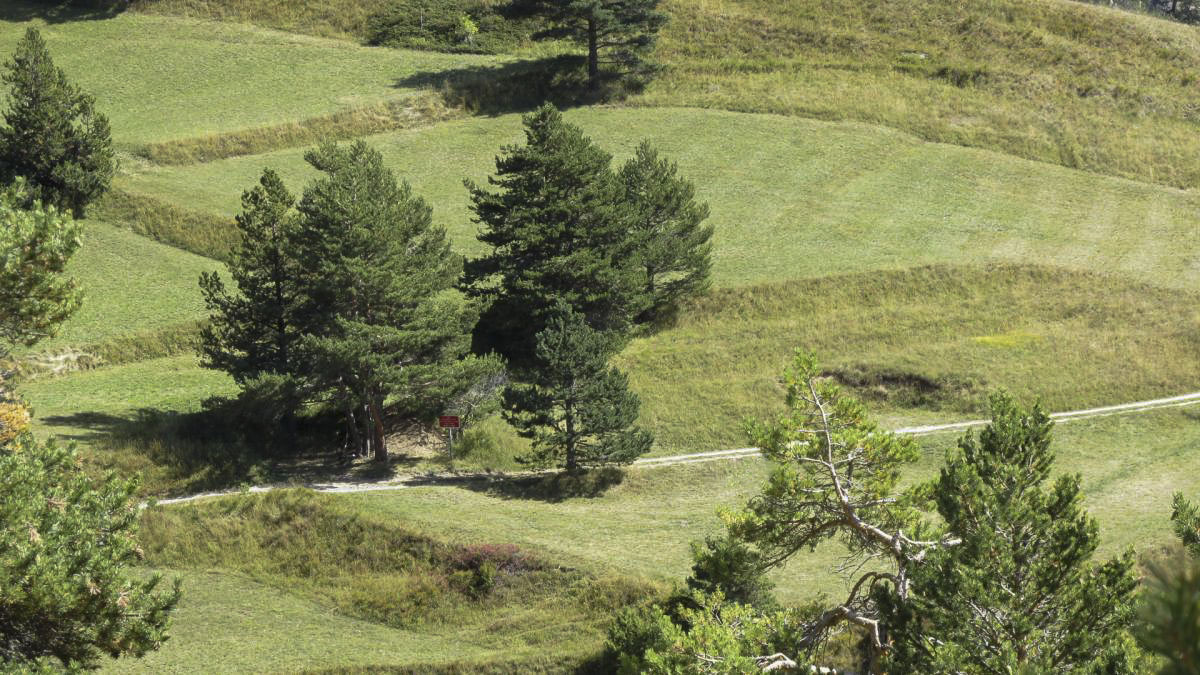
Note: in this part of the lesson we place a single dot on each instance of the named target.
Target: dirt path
(693, 458)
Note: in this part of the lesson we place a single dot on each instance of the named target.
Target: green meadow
(941, 200)
(794, 198)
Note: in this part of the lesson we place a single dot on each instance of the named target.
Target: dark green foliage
(1019, 591)
(728, 565)
(255, 332)
(1185, 516)
(347, 300)
(66, 594)
(615, 33)
(673, 246)
(380, 324)
(463, 26)
(559, 231)
(35, 245)
(52, 134)
(578, 411)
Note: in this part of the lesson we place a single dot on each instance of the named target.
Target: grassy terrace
(794, 198)
(1052, 80)
(174, 78)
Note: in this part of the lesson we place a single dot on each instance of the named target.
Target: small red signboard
(449, 422)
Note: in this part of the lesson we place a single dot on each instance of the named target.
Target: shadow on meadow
(552, 488)
(57, 11)
(520, 86)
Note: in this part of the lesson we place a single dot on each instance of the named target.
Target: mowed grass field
(794, 198)
(160, 78)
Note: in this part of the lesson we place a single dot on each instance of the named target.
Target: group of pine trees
(348, 297)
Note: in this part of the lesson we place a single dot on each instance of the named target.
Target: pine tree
(67, 595)
(673, 247)
(559, 229)
(35, 245)
(1185, 517)
(1169, 623)
(254, 332)
(614, 32)
(578, 410)
(1018, 593)
(380, 327)
(52, 134)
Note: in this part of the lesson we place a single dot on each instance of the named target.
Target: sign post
(450, 423)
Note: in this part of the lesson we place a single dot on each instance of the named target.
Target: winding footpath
(693, 458)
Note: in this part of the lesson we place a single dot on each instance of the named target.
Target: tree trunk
(353, 424)
(593, 56)
(381, 452)
(572, 461)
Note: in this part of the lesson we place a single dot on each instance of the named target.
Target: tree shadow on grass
(520, 86)
(60, 11)
(552, 488)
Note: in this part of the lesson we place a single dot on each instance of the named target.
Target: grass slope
(1051, 80)
(794, 198)
(160, 78)
(643, 525)
(131, 286)
(918, 344)
(469, 600)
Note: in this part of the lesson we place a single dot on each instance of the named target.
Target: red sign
(449, 422)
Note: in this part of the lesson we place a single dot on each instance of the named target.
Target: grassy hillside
(159, 78)
(1051, 80)
(794, 198)
(643, 525)
(441, 601)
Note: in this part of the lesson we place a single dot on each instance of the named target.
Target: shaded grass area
(185, 78)
(794, 198)
(1130, 465)
(920, 343)
(132, 287)
(488, 597)
(1053, 80)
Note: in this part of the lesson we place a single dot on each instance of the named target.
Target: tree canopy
(52, 134)
(66, 593)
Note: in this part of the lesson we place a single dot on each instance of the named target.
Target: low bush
(462, 26)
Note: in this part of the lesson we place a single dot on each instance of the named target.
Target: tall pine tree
(559, 228)
(254, 332)
(617, 33)
(577, 409)
(1019, 593)
(380, 325)
(52, 134)
(672, 245)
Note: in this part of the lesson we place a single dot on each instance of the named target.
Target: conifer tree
(614, 32)
(1170, 611)
(35, 245)
(52, 134)
(672, 244)
(254, 332)
(578, 410)
(67, 595)
(559, 228)
(1019, 593)
(379, 324)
